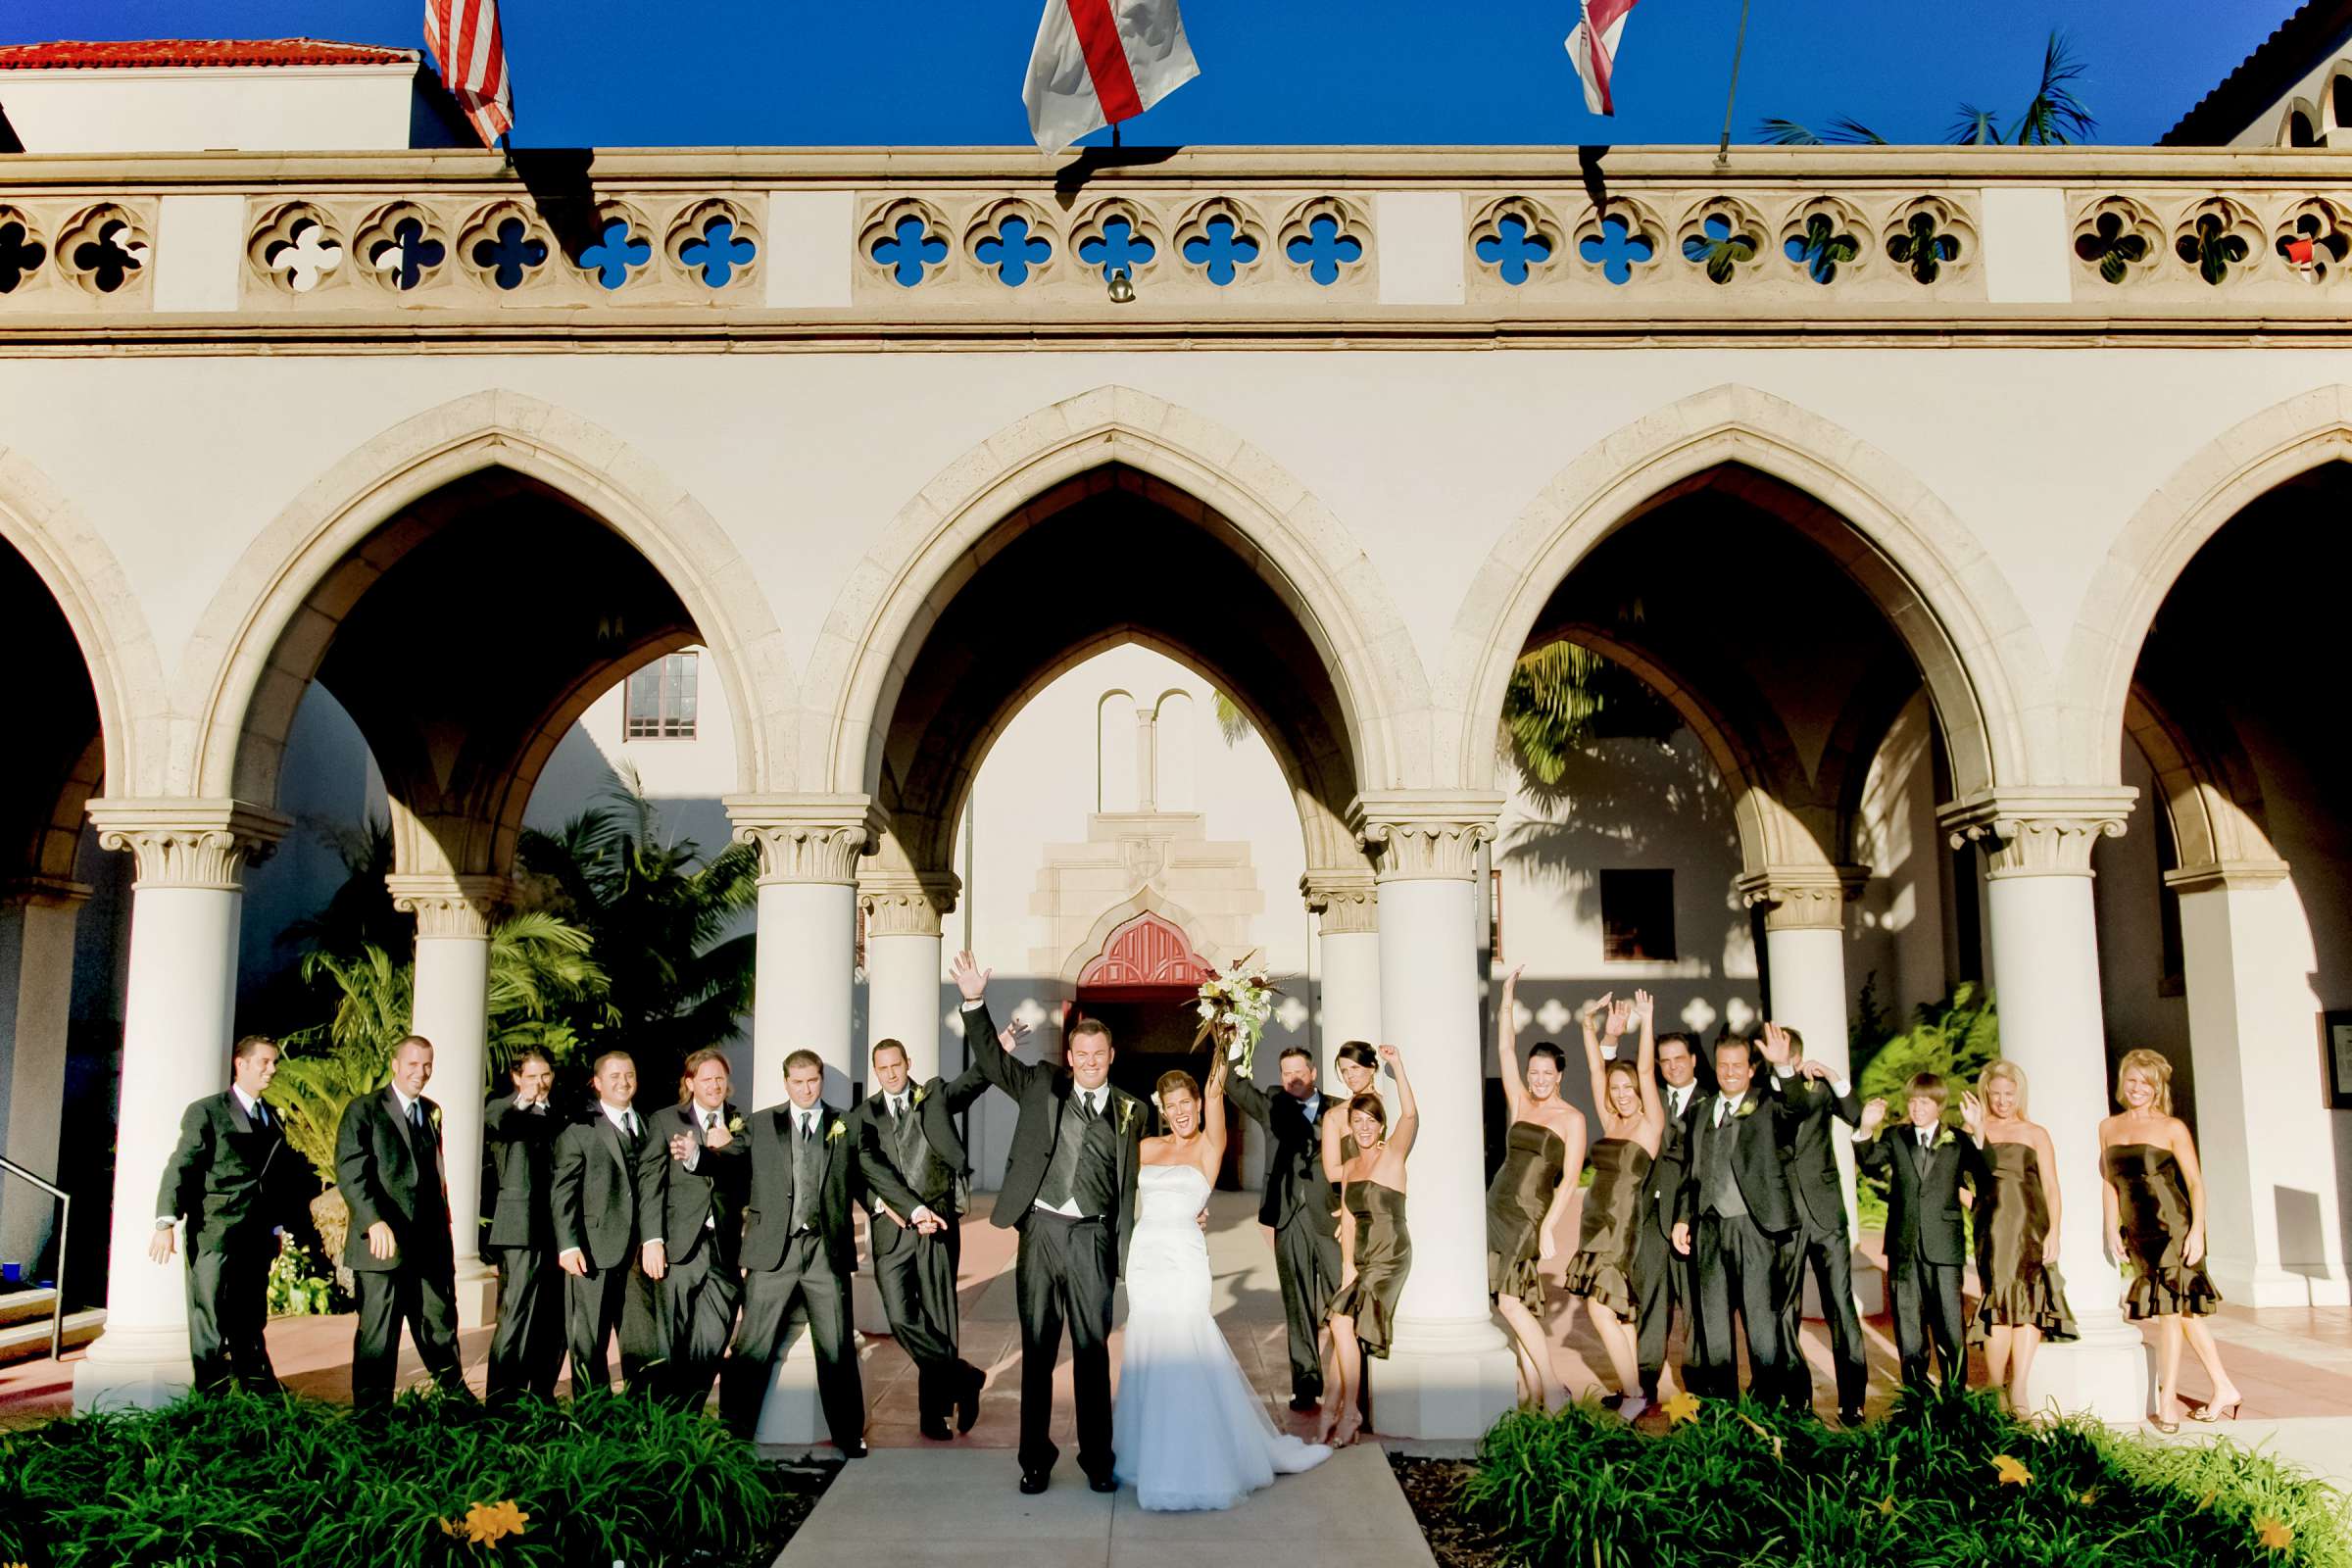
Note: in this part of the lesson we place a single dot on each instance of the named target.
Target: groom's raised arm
(999, 1066)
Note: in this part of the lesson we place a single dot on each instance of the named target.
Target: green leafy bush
(231, 1480)
(1925, 1486)
(296, 1288)
(1954, 1037)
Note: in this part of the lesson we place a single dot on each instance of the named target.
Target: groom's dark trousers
(1069, 1188)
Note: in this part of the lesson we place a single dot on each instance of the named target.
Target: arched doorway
(1141, 987)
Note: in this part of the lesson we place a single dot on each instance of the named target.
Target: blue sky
(781, 73)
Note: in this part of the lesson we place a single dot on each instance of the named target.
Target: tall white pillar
(451, 1009)
(1347, 934)
(1804, 957)
(904, 998)
(2263, 1137)
(36, 1008)
(2045, 954)
(177, 1013)
(805, 958)
(1450, 1373)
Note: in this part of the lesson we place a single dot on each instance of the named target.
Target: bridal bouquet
(1234, 1008)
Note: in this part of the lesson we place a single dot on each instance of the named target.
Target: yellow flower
(2274, 1534)
(735, 1124)
(2088, 1498)
(836, 1130)
(486, 1524)
(2013, 1472)
(1683, 1407)
(1886, 1506)
(920, 1091)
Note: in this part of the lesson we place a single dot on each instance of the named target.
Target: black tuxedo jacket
(1040, 1090)
(229, 1177)
(937, 1102)
(713, 1190)
(767, 1210)
(1923, 1198)
(1818, 1117)
(386, 1173)
(518, 1173)
(1295, 1187)
(1755, 1157)
(600, 1207)
(1664, 1186)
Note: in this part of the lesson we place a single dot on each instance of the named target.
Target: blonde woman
(2155, 1202)
(1376, 1250)
(1543, 1143)
(1631, 1121)
(2017, 1234)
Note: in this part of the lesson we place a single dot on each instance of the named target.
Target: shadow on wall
(1619, 800)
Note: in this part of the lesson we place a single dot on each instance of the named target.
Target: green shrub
(296, 1288)
(1955, 1038)
(1739, 1485)
(227, 1481)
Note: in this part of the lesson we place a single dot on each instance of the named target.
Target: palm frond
(2056, 117)
(1232, 722)
(1973, 126)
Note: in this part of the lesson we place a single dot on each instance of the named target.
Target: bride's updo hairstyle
(1172, 1081)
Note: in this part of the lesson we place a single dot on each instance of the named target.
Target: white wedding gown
(1188, 1429)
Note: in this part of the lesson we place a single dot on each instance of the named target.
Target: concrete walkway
(912, 1507)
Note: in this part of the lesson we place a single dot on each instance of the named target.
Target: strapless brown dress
(1384, 1255)
(2153, 1206)
(1602, 1269)
(2022, 1286)
(1517, 1200)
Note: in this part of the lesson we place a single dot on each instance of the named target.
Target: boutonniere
(1748, 1107)
(1126, 1114)
(434, 1116)
(836, 1130)
(735, 1124)
(1942, 1138)
(920, 1090)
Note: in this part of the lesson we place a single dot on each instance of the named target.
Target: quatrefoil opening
(1823, 239)
(105, 248)
(906, 242)
(1117, 236)
(1326, 239)
(714, 244)
(1514, 239)
(22, 251)
(1930, 241)
(296, 248)
(2117, 239)
(1012, 242)
(504, 246)
(1720, 239)
(2218, 238)
(1617, 239)
(2313, 240)
(400, 247)
(1220, 239)
(621, 247)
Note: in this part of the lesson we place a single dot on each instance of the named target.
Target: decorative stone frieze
(1804, 897)
(1424, 834)
(808, 838)
(189, 843)
(2045, 832)
(448, 906)
(906, 904)
(1344, 903)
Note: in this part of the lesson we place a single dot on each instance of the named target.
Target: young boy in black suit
(1926, 1243)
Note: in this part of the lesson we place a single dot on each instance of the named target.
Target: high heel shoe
(2215, 1412)
(2156, 1418)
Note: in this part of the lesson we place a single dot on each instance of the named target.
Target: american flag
(1592, 46)
(463, 35)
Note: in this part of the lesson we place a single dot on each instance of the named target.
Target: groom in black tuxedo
(388, 1167)
(1069, 1188)
(1733, 1221)
(1300, 1209)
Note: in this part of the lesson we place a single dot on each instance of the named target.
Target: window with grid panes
(661, 700)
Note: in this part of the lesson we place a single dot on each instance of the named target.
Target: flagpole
(1723, 148)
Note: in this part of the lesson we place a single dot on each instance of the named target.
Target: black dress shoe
(1850, 1419)
(1105, 1481)
(967, 1402)
(852, 1450)
(1033, 1482)
(935, 1427)
(1304, 1402)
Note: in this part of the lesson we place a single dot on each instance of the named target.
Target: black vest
(1085, 1167)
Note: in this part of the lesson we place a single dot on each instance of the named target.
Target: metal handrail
(65, 1231)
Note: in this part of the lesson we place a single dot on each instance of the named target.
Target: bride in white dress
(1188, 1429)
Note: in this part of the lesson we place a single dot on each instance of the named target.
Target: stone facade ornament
(2037, 832)
(808, 838)
(189, 843)
(1804, 897)
(906, 904)
(2237, 875)
(1344, 903)
(446, 906)
(1424, 834)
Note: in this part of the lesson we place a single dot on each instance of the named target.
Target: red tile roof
(135, 53)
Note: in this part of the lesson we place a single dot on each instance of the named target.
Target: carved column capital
(449, 905)
(1344, 903)
(2037, 832)
(1804, 897)
(906, 904)
(1421, 835)
(189, 843)
(808, 838)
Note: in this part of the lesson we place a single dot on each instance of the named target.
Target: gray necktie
(1086, 1104)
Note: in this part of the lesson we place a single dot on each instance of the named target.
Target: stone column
(1804, 957)
(36, 1007)
(804, 988)
(1450, 1374)
(177, 1014)
(2045, 954)
(451, 1009)
(2263, 1128)
(1346, 914)
(902, 970)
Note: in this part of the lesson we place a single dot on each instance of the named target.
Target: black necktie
(260, 1115)
(709, 1121)
(416, 1114)
(1086, 1106)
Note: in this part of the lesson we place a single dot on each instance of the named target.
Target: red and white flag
(1592, 45)
(1099, 62)
(463, 35)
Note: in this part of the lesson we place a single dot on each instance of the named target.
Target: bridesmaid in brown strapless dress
(1632, 1118)
(2155, 1199)
(2017, 1235)
(1375, 1250)
(1528, 1196)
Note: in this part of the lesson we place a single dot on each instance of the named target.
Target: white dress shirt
(621, 1116)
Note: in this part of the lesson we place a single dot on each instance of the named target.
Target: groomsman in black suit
(388, 1168)
(913, 1171)
(798, 1247)
(1928, 1164)
(238, 1186)
(519, 1160)
(1069, 1188)
(1734, 1220)
(694, 1162)
(608, 1233)
(1301, 1210)
(1823, 1112)
(1662, 1275)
